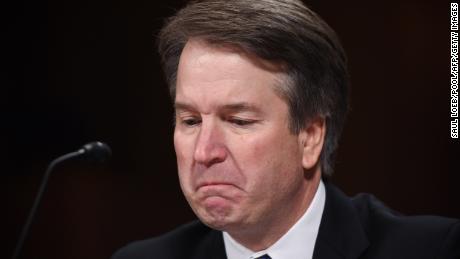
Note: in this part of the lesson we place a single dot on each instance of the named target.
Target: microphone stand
(38, 198)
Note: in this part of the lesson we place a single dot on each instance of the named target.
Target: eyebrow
(232, 107)
(183, 106)
(240, 107)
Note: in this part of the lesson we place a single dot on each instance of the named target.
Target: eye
(190, 121)
(241, 122)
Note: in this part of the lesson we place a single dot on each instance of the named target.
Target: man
(260, 90)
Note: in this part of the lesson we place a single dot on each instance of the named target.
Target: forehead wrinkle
(206, 54)
(226, 108)
(240, 107)
(205, 57)
(206, 92)
(183, 106)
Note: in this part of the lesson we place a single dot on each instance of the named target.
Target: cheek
(269, 148)
(270, 159)
(256, 158)
(184, 159)
(249, 151)
(182, 147)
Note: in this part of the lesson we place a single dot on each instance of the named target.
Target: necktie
(265, 256)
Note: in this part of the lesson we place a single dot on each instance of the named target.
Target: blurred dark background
(78, 71)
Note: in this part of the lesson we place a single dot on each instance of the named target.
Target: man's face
(239, 164)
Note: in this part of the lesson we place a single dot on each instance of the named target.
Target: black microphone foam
(96, 151)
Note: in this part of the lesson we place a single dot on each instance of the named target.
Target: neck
(266, 233)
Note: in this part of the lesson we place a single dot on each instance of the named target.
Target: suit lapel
(341, 234)
(212, 247)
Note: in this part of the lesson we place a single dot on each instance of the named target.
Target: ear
(312, 140)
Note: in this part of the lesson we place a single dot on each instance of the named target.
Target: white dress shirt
(299, 240)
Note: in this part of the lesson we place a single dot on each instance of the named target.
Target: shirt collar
(299, 240)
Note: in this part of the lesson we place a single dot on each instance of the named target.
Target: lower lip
(217, 189)
(215, 184)
(217, 196)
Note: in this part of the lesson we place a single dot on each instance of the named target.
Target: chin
(220, 219)
(215, 224)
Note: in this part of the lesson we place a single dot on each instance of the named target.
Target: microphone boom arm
(38, 198)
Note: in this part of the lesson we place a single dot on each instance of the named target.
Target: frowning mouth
(214, 184)
(218, 192)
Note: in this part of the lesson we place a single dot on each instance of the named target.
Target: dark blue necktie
(265, 256)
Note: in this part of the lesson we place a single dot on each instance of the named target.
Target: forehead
(209, 73)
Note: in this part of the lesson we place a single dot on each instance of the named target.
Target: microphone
(94, 151)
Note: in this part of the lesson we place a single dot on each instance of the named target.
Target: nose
(210, 148)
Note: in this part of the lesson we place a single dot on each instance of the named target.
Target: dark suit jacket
(352, 228)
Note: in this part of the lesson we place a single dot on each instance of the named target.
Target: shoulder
(432, 235)
(189, 237)
(362, 226)
(374, 213)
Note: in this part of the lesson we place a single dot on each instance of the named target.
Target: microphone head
(97, 151)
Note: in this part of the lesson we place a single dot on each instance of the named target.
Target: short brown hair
(279, 31)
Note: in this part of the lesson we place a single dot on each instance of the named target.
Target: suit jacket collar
(341, 234)
(212, 247)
